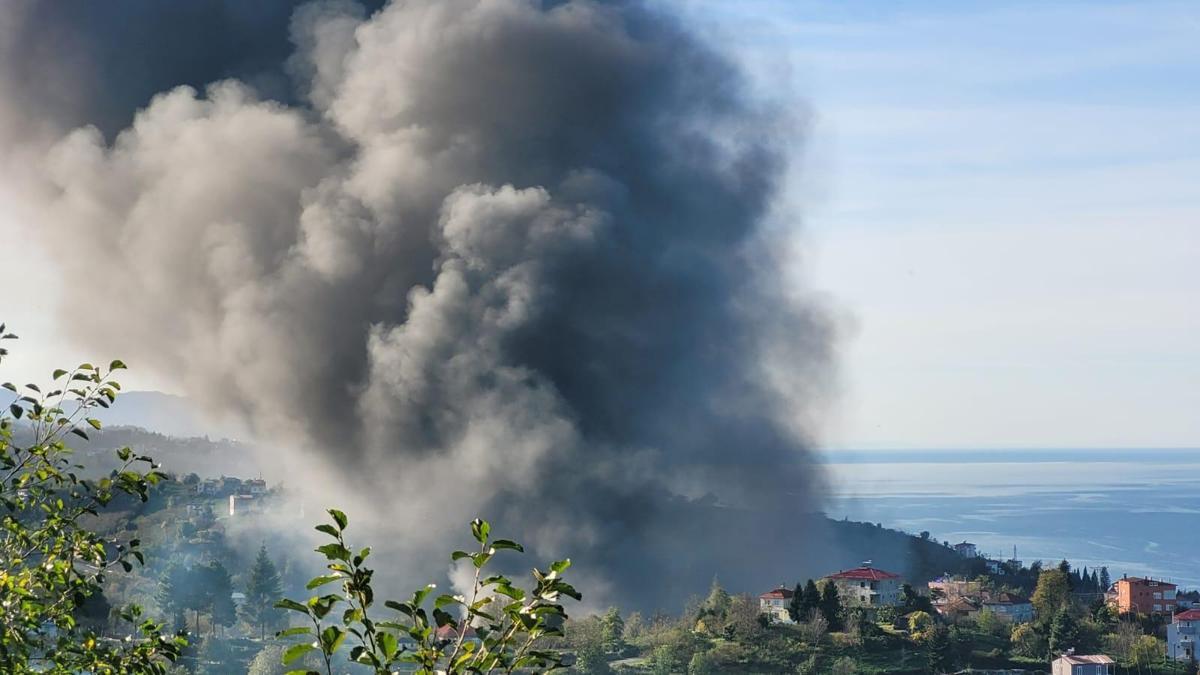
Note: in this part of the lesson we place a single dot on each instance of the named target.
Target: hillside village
(1001, 599)
(981, 615)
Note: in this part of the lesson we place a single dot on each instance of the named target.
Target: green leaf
(332, 638)
(59, 373)
(327, 529)
(480, 529)
(388, 644)
(339, 518)
(298, 630)
(560, 566)
(16, 410)
(508, 544)
(94, 422)
(334, 551)
(117, 364)
(296, 651)
(317, 582)
(292, 605)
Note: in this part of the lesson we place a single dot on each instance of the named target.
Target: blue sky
(1001, 202)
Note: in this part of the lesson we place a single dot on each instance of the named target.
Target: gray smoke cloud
(448, 258)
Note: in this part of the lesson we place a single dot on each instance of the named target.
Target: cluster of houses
(244, 495)
(954, 598)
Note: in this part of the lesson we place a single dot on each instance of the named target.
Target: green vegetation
(726, 634)
(54, 564)
(500, 626)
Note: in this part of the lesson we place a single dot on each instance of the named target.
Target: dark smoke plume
(499, 257)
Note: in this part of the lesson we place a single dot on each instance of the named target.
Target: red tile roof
(863, 574)
(1190, 615)
(780, 593)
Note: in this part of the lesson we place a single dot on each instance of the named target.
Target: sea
(1136, 511)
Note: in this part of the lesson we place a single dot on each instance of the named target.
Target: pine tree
(1064, 633)
(263, 590)
(1105, 580)
(170, 593)
(811, 600)
(796, 604)
(612, 631)
(219, 587)
(831, 606)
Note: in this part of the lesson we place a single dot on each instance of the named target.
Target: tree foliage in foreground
(51, 563)
(498, 628)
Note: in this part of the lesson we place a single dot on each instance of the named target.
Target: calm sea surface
(1136, 511)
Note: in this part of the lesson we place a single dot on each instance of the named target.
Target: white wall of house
(1182, 639)
(863, 593)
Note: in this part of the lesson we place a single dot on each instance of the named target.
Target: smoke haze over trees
(452, 257)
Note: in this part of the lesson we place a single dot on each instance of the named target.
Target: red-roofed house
(1078, 664)
(775, 604)
(867, 587)
(1182, 634)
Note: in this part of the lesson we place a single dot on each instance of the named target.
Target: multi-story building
(775, 604)
(867, 587)
(1182, 636)
(955, 587)
(966, 550)
(1073, 664)
(1145, 596)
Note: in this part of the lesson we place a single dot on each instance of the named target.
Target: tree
(1052, 594)
(219, 587)
(50, 561)
(831, 606)
(613, 631)
(920, 625)
(1026, 641)
(1064, 632)
(912, 601)
(796, 609)
(844, 666)
(169, 593)
(939, 650)
(717, 601)
(701, 664)
(1146, 651)
(509, 622)
(1105, 580)
(263, 589)
(806, 601)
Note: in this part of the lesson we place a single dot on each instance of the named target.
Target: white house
(1182, 636)
(775, 604)
(1010, 607)
(966, 550)
(867, 587)
(1074, 664)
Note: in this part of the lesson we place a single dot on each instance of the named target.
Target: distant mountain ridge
(166, 414)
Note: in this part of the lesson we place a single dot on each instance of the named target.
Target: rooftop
(1190, 615)
(1152, 582)
(864, 574)
(1082, 660)
(780, 593)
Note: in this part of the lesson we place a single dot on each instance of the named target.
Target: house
(1182, 636)
(242, 504)
(966, 550)
(994, 566)
(209, 486)
(955, 587)
(1145, 596)
(775, 604)
(867, 587)
(1073, 664)
(1010, 607)
(957, 608)
(255, 486)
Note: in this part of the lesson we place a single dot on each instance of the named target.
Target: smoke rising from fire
(498, 257)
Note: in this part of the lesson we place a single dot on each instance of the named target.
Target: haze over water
(1136, 511)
